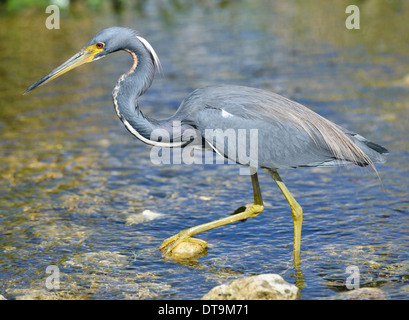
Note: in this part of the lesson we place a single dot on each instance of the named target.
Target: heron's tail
(374, 151)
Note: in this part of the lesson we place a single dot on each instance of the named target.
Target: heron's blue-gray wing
(259, 142)
(247, 124)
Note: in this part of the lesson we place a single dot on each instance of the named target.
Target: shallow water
(72, 177)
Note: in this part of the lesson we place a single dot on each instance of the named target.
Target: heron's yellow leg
(296, 212)
(170, 243)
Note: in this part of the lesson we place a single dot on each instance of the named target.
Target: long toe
(179, 247)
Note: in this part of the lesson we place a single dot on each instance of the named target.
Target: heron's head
(107, 41)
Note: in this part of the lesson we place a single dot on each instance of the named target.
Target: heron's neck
(132, 85)
(129, 87)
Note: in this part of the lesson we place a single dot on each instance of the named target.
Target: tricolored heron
(289, 135)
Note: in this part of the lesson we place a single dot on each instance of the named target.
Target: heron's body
(288, 134)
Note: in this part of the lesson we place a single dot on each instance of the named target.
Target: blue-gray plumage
(288, 134)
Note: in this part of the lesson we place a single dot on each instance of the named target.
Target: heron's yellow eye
(100, 45)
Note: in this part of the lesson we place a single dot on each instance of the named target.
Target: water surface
(71, 176)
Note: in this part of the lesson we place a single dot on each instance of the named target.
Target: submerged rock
(364, 294)
(99, 259)
(260, 287)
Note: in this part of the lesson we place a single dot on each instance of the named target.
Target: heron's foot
(182, 246)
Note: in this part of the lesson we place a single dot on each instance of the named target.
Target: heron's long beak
(84, 56)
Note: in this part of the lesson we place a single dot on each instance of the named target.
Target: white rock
(260, 287)
(145, 216)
